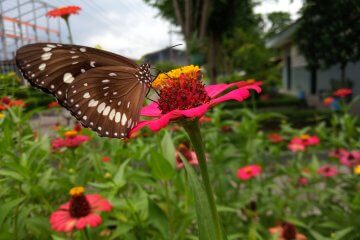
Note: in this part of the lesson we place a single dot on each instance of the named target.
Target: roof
(283, 37)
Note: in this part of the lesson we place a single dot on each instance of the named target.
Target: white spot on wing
(106, 110)
(46, 56)
(51, 46)
(93, 103)
(112, 74)
(86, 95)
(92, 63)
(105, 81)
(101, 107)
(82, 49)
(42, 66)
(112, 114)
(68, 78)
(117, 117)
(123, 119)
(47, 49)
(128, 104)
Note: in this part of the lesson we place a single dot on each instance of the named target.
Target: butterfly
(103, 90)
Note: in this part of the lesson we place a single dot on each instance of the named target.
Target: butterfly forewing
(52, 67)
(104, 91)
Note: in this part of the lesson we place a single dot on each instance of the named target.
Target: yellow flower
(76, 191)
(2, 115)
(71, 133)
(357, 170)
(305, 136)
(190, 71)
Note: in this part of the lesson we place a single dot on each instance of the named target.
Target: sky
(131, 27)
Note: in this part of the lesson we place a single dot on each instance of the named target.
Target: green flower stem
(69, 30)
(193, 130)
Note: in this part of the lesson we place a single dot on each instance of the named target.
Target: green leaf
(119, 178)
(341, 233)
(203, 213)
(7, 207)
(317, 235)
(160, 167)
(168, 149)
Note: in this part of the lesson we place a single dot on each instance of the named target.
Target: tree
(329, 33)
(278, 22)
(204, 23)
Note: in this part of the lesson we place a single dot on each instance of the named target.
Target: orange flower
(327, 101)
(63, 12)
(106, 159)
(53, 104)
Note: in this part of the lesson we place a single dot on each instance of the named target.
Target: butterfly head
(143, 74)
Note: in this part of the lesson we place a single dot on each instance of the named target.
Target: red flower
(350, 159)
(77, 127)
(296, 145)
(6, 100)
(53, 104)
(81, 211)
(342, 92)
(19, 103)
(303, 181)
(63, 12)
(300, 143)
(106, 159)
(286, 231)
(248, 172)
(190, 156)
(327, 101)
(338, 153)
(71, 140)
(327, 171)
(275, 138)
(183, 95)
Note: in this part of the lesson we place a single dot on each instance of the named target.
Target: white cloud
(291, 6)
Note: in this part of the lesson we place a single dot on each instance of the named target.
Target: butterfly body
(104, 91)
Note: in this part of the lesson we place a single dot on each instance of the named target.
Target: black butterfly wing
(53, 67)
(107, 99)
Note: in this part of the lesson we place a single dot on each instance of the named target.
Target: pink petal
(237, 95)
(98, 203)
(151, 110)
(92, 220)
(62, 221)
(214, 90)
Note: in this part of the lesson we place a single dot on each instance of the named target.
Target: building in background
(297, 79)
(175, 56)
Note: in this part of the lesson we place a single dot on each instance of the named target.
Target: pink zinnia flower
(275, 138)
(190, 156)
(327, 171)
(296, 145)
(350, 159)
(337, 153)
(286, 231)
(342, 92)
(248, 172)
(71, 140)
(81, 211)
(182, 95)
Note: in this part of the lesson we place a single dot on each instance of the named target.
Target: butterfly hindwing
(53, 67)
(107, 99)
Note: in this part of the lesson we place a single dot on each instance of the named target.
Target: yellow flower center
(71, 133)
(2, 115)
(357, 170)
(76, 191)
(162, 80)
(305, 136)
